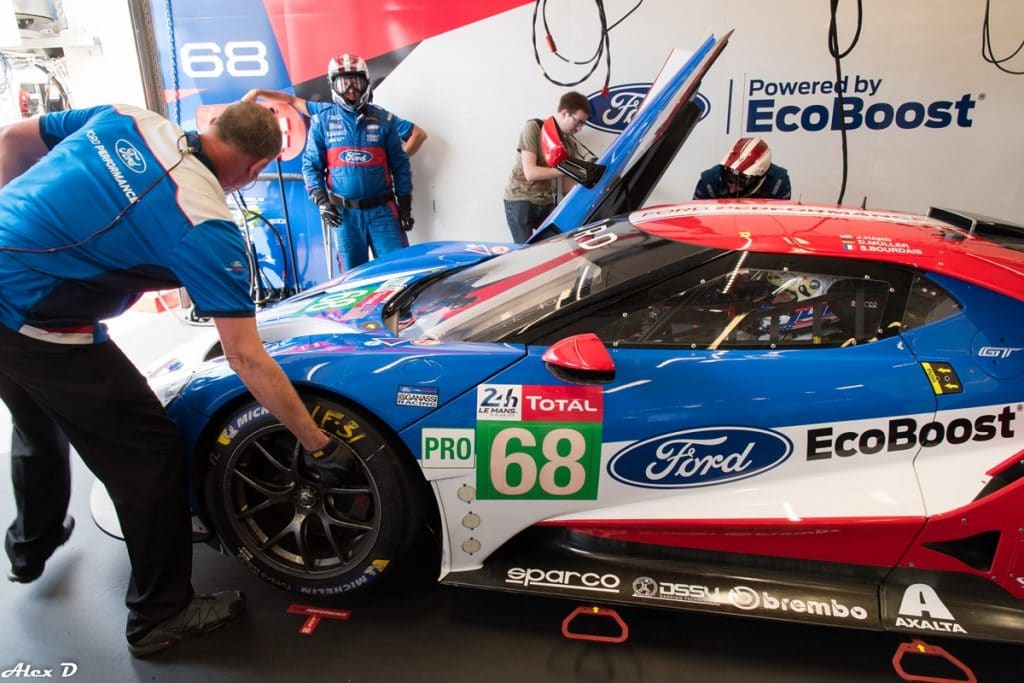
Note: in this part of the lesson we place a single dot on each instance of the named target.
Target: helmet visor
(739, 183)
(345, 82)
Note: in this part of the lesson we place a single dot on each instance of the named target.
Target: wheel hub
(306, 497)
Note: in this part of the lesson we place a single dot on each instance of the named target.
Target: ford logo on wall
(130, 156)
(613, 113)
(356, 157)
(699, 457)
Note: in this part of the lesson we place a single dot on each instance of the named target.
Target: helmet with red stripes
(744, 166)
(350, 81)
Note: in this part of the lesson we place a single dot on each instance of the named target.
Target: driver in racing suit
(355, 169)
(746, 171)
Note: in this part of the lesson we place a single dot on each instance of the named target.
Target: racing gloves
(333, 465)
(328, 211)
(405, 212)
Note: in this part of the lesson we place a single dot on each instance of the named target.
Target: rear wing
(996, 230)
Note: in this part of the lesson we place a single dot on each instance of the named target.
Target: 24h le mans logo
(538, 442)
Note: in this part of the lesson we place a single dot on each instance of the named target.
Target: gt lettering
(506, 462)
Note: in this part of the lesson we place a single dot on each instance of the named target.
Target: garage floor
(417, 631)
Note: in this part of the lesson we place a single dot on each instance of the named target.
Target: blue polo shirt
(114, 209)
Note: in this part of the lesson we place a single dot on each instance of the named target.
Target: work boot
(30, 573)
(205, 613)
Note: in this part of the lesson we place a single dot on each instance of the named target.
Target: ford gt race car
(771, 409)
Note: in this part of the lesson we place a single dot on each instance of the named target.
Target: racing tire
(298, 526)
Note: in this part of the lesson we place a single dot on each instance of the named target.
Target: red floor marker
(315, 614)
(594, 611)
(919, 647)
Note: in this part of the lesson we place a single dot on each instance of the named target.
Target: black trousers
(99, 400)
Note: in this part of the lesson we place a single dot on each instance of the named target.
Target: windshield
(496, 299)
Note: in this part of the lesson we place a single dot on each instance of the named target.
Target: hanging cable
(603, 44)
(986, 47)
(837, 56)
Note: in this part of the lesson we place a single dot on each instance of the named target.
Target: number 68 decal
(538, 460)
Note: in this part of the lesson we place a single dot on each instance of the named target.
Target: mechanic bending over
(746, 171)
(98, 205)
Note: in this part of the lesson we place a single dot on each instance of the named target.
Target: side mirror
(552, 148)
(582, 359)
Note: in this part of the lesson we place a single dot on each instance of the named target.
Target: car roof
(781, 227)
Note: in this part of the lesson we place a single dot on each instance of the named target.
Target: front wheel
(296, 526)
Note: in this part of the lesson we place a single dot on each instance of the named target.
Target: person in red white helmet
(746, 171)
(355, 168)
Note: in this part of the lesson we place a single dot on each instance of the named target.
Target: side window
(752, 307)
(928, 303)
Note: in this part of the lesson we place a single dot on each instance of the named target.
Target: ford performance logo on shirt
(700, 457)
(613, 113)
(130, 156)
(356, 156)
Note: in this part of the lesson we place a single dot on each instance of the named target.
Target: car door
(762, 392)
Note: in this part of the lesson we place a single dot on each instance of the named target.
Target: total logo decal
(538, 442)
(770, 107)
(922, 609)
(614, 111)
(743, 598)
(700, 457)
(906, 434)
(589, 582)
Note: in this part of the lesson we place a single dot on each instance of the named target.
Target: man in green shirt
(531, 193)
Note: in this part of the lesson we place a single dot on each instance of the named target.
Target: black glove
(328, 211)
(405, 212)
(334, 464)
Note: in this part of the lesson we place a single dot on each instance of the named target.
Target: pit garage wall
(934, 125)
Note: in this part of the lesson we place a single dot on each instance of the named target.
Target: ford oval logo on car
(130, 156)
(613, 113)
(700, 457)
(356, 156)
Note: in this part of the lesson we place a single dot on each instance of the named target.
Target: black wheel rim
(305, 520)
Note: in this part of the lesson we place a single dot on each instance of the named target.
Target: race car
(770, 409)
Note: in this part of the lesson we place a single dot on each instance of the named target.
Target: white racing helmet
(745, 165)
(345, 72)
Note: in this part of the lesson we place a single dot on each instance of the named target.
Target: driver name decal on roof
(699, 457)
(780, 209)
(538, 442)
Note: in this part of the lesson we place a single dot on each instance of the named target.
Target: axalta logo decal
(922, 609)
(771, 107)
(700, 457)
(750, 599)
(904, 434)
(356, 156)
(591, 582)
(612, 113)
(131, 156)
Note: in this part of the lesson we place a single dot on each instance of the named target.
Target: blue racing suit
(359, 160)
(775, 185)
